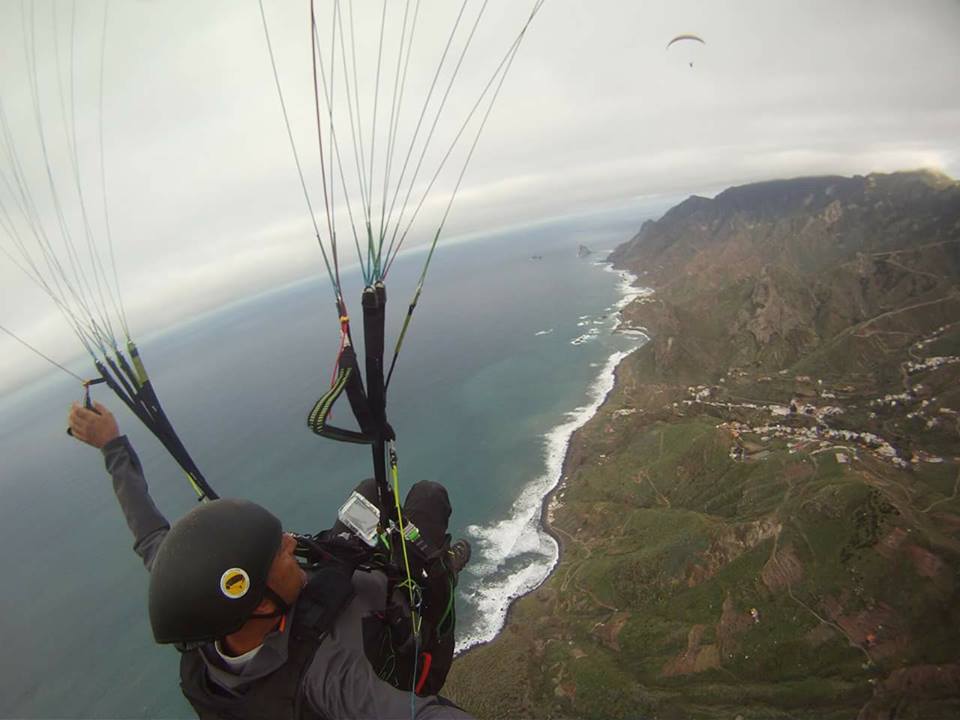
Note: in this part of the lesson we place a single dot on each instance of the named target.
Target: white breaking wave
(628, 293)
(544, 332)
(589, 335)
(515, 555)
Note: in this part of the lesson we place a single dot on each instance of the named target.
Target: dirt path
(904, 506)
(914, 249)
(574, 570)
(785, 571)
(952, 295)
(956, 490)
(956, 485)
(915, 271)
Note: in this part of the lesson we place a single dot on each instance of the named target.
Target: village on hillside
(817, 417)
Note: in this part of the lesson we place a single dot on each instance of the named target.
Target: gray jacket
(340, 682)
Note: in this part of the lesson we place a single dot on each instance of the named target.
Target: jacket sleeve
(341, 682)
(145, 521)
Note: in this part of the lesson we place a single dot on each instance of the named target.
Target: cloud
(204, 197)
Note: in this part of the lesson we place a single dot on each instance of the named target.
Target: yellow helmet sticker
(234, 583)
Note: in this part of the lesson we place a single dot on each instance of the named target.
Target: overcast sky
(595, 116)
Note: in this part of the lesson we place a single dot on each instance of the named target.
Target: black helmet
(211, 571)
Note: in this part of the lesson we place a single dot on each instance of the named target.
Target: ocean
(512, 347)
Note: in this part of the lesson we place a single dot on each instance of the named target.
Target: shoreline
(544, 521)
(607, 381)
(548, 499)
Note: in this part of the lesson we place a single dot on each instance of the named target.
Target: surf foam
(516, 555)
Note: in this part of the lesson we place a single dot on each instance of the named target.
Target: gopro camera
(361, 516)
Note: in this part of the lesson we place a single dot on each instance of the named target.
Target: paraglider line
(37, 352)
(293, 147)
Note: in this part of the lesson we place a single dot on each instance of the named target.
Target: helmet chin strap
(282, 606)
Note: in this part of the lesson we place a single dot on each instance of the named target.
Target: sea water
(511, 348)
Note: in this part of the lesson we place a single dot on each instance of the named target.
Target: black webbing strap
(359, 404)
(367, 404)
(347, 378)
(374, 315)
(143, 402)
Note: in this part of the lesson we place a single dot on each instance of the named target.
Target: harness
(409, 645)
(401, 552)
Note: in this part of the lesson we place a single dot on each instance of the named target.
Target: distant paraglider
(690, 37)
(678, 38)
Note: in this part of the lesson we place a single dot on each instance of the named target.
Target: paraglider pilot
(259, 636)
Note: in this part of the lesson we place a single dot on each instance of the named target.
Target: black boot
(458, 556)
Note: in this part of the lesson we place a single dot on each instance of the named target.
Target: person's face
(286, 577)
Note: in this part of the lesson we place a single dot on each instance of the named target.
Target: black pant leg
(428, 507)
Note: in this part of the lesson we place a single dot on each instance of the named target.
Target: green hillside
(763, 519)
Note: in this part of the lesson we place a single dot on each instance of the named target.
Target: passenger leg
(427, 506)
